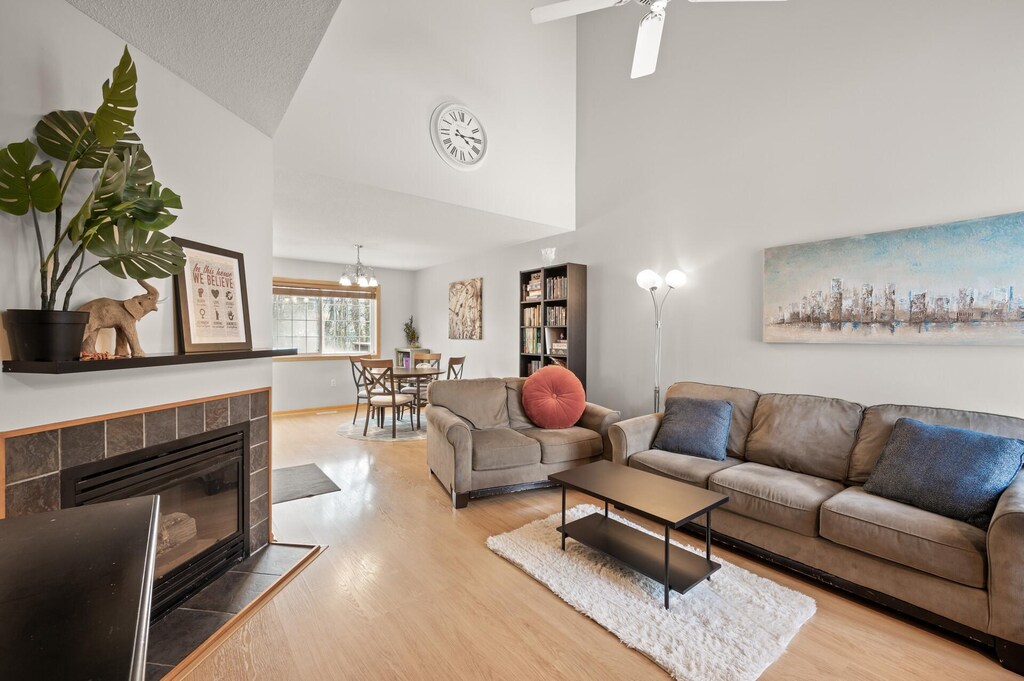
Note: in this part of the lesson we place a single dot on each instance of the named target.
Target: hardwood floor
(408, 590)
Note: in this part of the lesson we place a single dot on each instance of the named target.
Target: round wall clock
(458, 136)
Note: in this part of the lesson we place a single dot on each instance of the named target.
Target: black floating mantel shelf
(79, 366)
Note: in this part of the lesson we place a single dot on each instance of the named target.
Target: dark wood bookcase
(557, 313)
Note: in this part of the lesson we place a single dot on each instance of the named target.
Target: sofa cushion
(743, 402)
(503, 448)
(805, 434)
(782, 498)
(950, 471)
(553, 397)
(565, 444)
(692, 469)
(695, 427)
(481, 401)
(879, 421)
(517, 418)
(906, 535)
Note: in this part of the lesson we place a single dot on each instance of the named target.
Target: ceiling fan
(648, 38)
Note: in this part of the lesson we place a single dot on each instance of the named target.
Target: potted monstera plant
(119, 226)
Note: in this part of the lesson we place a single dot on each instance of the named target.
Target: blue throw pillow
(695, 427)
(954, 472)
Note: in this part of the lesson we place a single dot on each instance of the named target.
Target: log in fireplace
(203, 485)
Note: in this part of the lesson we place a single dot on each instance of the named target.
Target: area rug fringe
(729, 629)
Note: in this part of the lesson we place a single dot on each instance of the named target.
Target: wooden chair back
(431, 358)
(357, 371)
(455, 366)
(379, 375)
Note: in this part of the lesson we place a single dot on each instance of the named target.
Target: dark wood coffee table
(668, 502)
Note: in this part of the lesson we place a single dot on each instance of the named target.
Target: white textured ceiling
(247, 55)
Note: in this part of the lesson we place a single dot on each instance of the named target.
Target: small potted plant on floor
(118, 226)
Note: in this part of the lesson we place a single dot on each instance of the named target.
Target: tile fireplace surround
(34, 457)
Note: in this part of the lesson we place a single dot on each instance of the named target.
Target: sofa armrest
(599, 419)
(449, 449)
(1005, 545)
(633, 435)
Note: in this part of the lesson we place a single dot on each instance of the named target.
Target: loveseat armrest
(1005, 545)
(450, 452)
(599, 419)
(633, 435)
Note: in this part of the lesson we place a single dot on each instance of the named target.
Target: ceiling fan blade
(648, 42)
(570, 8)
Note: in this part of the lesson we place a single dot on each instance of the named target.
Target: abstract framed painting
(960, 283)
(465, 309)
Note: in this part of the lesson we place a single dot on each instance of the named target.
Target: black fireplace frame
(133, 474)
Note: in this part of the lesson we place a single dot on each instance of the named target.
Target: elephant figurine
(120, 315)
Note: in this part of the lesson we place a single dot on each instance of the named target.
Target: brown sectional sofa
(480, 441)
(794, 471)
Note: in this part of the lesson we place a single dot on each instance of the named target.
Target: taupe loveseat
(480, 441)
(794, 471)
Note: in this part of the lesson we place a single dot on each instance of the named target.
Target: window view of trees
(326, 325)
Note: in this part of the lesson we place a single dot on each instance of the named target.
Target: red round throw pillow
(554, 398)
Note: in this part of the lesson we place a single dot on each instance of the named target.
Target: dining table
(416, 375)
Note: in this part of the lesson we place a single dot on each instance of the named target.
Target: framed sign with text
(212, 303)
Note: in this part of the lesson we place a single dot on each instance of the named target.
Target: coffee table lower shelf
(641, 551)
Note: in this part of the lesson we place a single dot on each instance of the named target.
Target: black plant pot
(46, 335)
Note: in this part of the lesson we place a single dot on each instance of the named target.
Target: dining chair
(455, 366)
(359, 381)
(418, 386)
(380, 385)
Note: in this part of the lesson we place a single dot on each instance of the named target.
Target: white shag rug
(729, 629)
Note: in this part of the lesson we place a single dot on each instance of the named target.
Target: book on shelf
(532, 366)
(556, 287)
(555, 316)
(531, 316)
(531, 341)
(532, 290)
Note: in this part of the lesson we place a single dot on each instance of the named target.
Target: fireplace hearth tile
(259, 404)
(180, 632)
(216, 414)
(191, 420)
(258, 430)
(275, 559)
(82, 444)
(259, 536)
(230, 593)
(161, 426)
(258, 483)
(155, 672)
(29, 456)
(238, 409)
(258, 456)
(37, 495)
(124, 435)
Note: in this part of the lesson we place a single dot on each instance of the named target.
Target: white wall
(306, 384)
(770, 124)
(54, 57)
(360, 118)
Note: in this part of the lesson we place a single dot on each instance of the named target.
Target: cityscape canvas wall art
(959, 283)
(465, 309)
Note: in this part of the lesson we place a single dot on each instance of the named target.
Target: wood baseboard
(211, 644)
(313, 410)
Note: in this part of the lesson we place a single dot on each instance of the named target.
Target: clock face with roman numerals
(458, 136)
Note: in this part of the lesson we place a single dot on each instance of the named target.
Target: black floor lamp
(649, 280)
